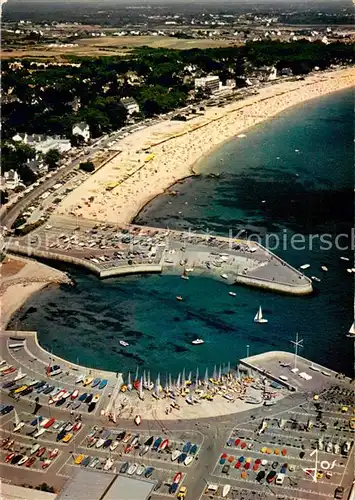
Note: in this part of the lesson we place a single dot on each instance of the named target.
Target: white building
(211, 83)
(83, 129)
(130, 104)
(43, 143)
(11, 179)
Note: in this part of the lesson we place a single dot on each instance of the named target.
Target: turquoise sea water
(265, 186)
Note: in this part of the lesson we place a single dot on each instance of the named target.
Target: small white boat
(80, 379)
(108, 464)
(269, 402)
(19, 426)
(232, 294)
(241, 136)
(345, 258)
(123, 343)
(283, 377)
(198, 341)
(137, 419)
(326, 374)
(39, 433)
(22, 460)
(224, 276)
(314, 278)
(175, 454)
(184, 277)
(259, 317)
(349, 270)
(324, 268)
(19, 375)
(188, 460)
(314, 368)
(15, 346)
(352, 331)
(305, 266)
(226, 490)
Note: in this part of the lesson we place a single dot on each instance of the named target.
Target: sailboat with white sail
(259, 317)
(18, 423)
(141, 393)
(352, 331)
(129, 383)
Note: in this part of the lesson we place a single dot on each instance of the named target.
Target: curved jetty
(110, 250)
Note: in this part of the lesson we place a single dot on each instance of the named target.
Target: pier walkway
(110, 250)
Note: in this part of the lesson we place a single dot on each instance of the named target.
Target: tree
(45, 487)
(76, 140)
(87, 166)
(4, 197)
(51, 158)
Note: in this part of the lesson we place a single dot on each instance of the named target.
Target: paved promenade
(110, 250)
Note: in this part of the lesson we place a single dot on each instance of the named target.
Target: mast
(178, 384)
(219, 373)
(214, 376)
(206, 377)
(183, 378)
(144, 379)
(141, 393)
(189, 377)
(137, 372)
(17, 420)
(129, 383)
(170, 384)
(196, 378)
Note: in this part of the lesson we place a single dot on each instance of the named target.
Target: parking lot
(304, 453)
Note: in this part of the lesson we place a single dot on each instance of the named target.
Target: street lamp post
(297, 343)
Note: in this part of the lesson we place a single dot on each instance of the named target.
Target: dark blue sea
(291, 175)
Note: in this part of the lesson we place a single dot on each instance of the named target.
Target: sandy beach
(155, 157)
(20, 279)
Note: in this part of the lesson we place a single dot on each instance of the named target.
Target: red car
(224, 455)
(243, 445)
(41, 451)
(236, 442)
(9, 457)
(247, 465)
(256, 466)
(258, 461)
(238, 464)
(30, 462)
(49, 423)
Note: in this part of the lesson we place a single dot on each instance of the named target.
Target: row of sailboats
(183, 380)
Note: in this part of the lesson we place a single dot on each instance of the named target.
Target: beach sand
(155, 157)
(20, 279)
